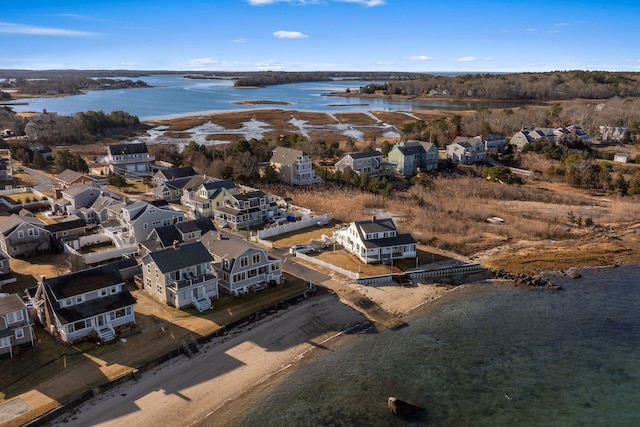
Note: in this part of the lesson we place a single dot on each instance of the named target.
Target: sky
(321, 35)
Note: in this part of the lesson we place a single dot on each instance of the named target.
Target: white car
(303, 249)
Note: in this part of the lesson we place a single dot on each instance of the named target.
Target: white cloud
(128, 64)
(7, 27)
(289, 35)
(367, 3)
(466, 59)
(530, 29)
(419, 58)
(201, 63)
(384, 63)
(240, 40)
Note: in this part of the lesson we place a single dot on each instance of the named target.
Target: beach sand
(199, 390)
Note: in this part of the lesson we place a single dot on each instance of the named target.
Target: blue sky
(327, 35)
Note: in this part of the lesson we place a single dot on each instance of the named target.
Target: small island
(252, 102)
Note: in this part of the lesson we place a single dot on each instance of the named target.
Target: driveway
(44, 182)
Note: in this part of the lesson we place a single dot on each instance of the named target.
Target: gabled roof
(174, 232)
(79, 188)
(8, 225)
(219, 183)
(119, 149)
(68, 176)
(364, 155)
(83, 281)
(228, 247)
(183, 256)
(173, 173)
(381, 225)
(10, 302)
(286, 155)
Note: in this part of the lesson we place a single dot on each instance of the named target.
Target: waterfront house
(294, 166)
(88, 304)
(376, 240)
(466, 150)
(180, 276)
(15, 325)
(139, 218)
(494, 143)
(529, 135)
(165, 175)
(23, 236)
(410, 157)
(129, 160)
(240, 265)
(243, 210)
(370, 163)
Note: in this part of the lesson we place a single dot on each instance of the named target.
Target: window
(275, 267)
(21, 234)
(79, 299)
(103, 292)
(19, 334)
(14, 316)
(243, 261)
(255, 259)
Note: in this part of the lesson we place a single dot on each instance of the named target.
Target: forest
(65, 85)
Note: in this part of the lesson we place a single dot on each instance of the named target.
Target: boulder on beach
(574, 273)
(401, 408)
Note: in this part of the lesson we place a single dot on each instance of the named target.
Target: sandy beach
(188, 391)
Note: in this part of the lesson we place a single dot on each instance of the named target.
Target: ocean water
(173, 95)
(486, 354)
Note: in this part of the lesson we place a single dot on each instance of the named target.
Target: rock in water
(401, 408)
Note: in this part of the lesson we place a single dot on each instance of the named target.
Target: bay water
(172, 95)
(487, 354)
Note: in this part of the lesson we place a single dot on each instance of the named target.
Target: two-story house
(129, 160)
(376, 240)
(410, 157)
(71, 226)
(209, 196)
(529, 135)
(15, 324)
(466, 150)
(370, 163)
(494, 142)
(240, 265)
(180, 276)
(170, 174)
(23, 236)
(139, 218)
(243, 210)
(88, 304)
(181, 232)
(294, 166)
(75, 197)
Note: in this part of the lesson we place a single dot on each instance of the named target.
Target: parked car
(303, 249)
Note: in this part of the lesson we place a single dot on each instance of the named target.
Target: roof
(399, 239)
(170, 233)
(285, 155)
(218, 183)
(92, 307)
(10, 302)
(375, 225)
(137, 148)
(69, 224)
(8, 225)
(83, 281)
(364, 155)
(230, 247)
(183, 256)
(78, 188)
(67, 176)
(174, 173)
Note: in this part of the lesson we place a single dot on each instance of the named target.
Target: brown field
(356, 118)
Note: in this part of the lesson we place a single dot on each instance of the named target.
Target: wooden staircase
(202, 304)
(191, 346)
(107, 334)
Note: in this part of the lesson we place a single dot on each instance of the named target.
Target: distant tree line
(556, 85)
(267, 78)
(66, 85)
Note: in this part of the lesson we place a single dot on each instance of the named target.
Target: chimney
(373, 218)
(176, 244)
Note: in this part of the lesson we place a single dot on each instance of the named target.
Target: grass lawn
(20, 198)
(303, 236)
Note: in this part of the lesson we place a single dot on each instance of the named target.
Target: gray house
(466, 150)
(23, 236)
(370, 163)
(294, 166)
(15, 324)
(74, 198)
(87, 304)
(181, 232)
(244, 210)
(240, 265)
(180, 276)
(129, 160)
(138, 219)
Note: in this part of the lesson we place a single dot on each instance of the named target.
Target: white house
(376, 240)
(466, 150)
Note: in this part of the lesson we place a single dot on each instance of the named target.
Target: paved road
(44, 182)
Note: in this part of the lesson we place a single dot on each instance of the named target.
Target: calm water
(173, 95)
(484, 355)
